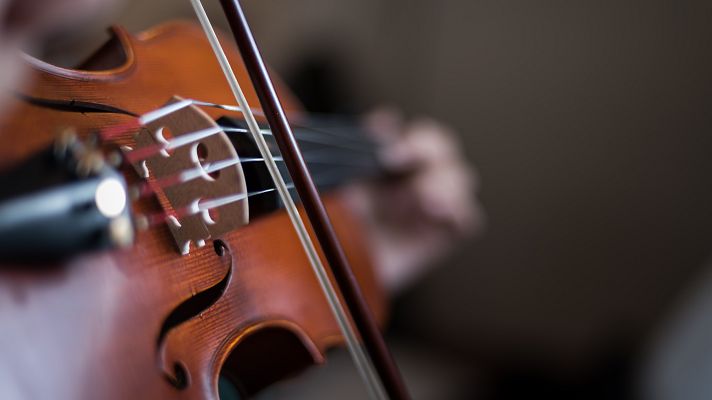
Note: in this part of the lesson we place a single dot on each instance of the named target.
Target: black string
(333, 147)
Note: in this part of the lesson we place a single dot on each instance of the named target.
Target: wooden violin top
(148, 322)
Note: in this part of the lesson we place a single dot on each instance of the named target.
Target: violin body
(147, 321)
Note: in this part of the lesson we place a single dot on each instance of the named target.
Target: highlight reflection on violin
(160, 230)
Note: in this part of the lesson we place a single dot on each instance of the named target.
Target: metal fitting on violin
(62, 201)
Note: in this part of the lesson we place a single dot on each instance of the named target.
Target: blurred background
(591, 127)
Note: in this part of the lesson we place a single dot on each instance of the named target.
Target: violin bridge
(196, 175)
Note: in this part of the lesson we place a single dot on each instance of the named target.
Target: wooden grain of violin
(216, 283)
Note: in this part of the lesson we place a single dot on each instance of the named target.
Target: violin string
(149, 187)
(311, 136)
(318, 156)
(165, 145)
(207, 205)
(168, 109)
(146, 188)
(309, 131)
(161, 112)
(173, 107)
(190, 137)
(226, 107)
(361, 360)
(159, 218)
(306, 134)
(198, 206)
(158, 113)
(229, 107)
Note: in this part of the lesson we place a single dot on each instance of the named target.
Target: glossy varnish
(146, 322)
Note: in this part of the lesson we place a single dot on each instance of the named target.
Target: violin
(201, 277)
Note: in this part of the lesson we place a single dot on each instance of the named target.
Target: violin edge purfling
(102, 313)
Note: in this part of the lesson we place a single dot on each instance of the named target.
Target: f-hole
(191, 308)
(260, 359)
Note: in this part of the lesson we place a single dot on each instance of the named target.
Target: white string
(311, 135)
(193, 173)
(199, 205)
(163, 111)
(191, 137)
(363, 364)
(173, 107)
(221, 201)
(229, 129)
